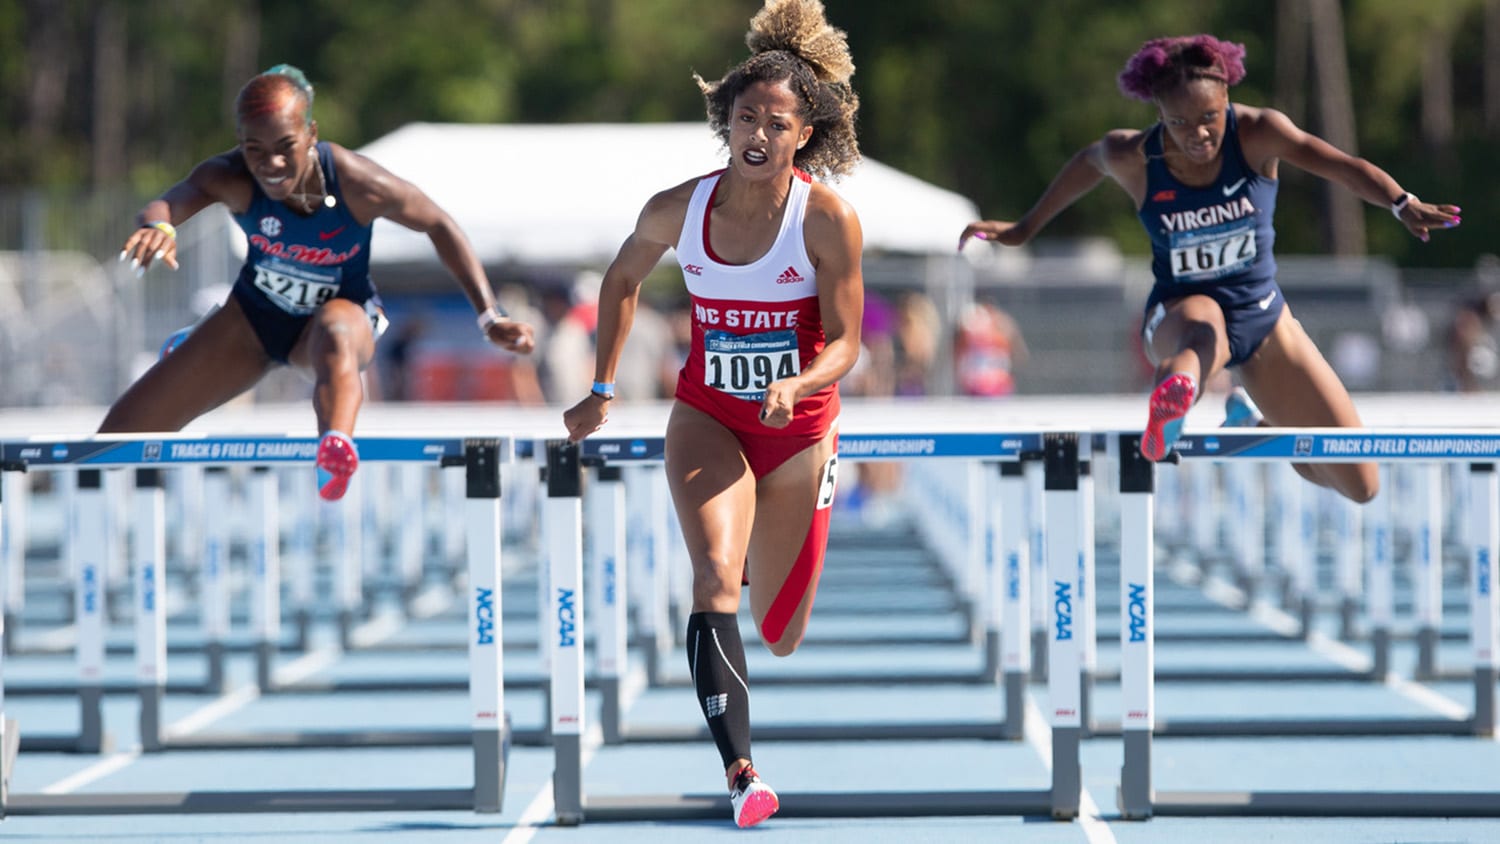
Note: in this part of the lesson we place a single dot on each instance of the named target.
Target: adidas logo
(693, 269)
(789, 277)
(715, 705)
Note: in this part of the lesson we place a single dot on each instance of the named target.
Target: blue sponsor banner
(1346, 446)
(255, 450)
(897, 446)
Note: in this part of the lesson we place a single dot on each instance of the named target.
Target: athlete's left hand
(776, 407)
(511, 335)
(1420, 218)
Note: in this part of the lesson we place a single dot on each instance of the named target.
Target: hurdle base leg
(1067, 778)
(12, 632)
(1304, 605)
(992, 656)
(1484, 701)
(213, 653)
(346, 629)
(609, 710)
(1015, 706)
(567, 780)
(491, 754)
(10, 747)
(653, 659)
(302, 623)
(1380, 657)
(1348, 619)
(150, 720)
(91, 722)
(265, 663)
(1427, 644)
(1085, 696)
(1038, 656)
(1135, 795)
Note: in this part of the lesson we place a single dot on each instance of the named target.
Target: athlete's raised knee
(784, 646)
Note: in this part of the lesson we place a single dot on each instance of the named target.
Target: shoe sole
(758, 807)
(333, 480)
(1171, 401)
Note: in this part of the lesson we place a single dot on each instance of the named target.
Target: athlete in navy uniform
(1204, 179)
(304, 296)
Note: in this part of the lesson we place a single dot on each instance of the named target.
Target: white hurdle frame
(1137, 798)
(488, 732)
(1061, 799)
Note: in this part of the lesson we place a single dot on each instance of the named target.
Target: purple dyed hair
(1163, 64)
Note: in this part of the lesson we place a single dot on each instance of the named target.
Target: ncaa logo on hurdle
(1063, 608)
(1302, 447)
(151, 451)
(484, 616)
(566, 619)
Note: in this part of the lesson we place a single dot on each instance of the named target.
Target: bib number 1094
(744, 365)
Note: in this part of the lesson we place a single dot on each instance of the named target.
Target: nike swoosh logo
(1230, 189)
(1266, 302)
(331, 235)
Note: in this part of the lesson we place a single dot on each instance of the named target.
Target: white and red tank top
(752, 323)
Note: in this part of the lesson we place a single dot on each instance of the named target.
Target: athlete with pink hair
(1204, 181)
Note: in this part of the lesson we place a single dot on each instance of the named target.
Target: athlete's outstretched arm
(1083, 172)
(1283, 139)
(209, 182)
(836, 244)
(372, 191)
(654, 233)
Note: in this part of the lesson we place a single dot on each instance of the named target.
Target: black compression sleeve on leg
(716, 657)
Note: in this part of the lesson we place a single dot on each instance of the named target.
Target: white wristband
(1405, 199)
(491, 315)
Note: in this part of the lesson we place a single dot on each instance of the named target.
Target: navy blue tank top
(297, 263)
(1220, 233)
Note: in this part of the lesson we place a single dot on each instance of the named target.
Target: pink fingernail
(981, 235)
(1457, 220)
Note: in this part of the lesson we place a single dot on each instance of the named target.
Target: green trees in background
(987, 97)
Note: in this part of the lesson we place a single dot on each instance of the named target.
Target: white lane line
(1039, 736)
(96, 771)
(1333, 650)
(539, 811)
(194, 721)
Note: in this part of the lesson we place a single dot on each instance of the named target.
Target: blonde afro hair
(791, 41)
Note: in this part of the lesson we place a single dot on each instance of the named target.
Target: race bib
(1214, 252)
(294, 288)
(743, 365)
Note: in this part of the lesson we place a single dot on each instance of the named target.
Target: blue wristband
(603, 390)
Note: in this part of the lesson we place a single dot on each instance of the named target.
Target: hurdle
(1061, 799)
(488, 733)
(1137, 798)
(612, 455)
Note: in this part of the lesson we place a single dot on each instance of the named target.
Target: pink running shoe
(337, 460)
(1170, 401)
(753, 801)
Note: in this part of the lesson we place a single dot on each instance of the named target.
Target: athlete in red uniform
(772, 262)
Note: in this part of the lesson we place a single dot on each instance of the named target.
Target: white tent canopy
(569, 194)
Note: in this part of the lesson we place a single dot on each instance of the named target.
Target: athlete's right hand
(148, 244)
(586, 417)
(997, 231)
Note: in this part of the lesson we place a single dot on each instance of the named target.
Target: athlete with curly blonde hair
(771, 259)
